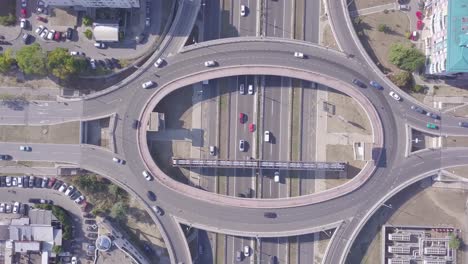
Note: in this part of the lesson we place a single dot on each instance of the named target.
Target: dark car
(88, 215)
(273, 260)
(5, 157)
(135, 124)
(75, 195)
(34, 200)
(57, 185)
(463, 124)
(269, 215)
(3, 181)
(69, 33)
(418, 109)
(25, 181)
(151, 196)
(102, 63)
(376, 85)
(116, 63)
(109, 64)
(359, 83)
(42, 19)
(432, 115)
(26, 38)
(38, 182)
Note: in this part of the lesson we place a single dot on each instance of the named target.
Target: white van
(266, 136)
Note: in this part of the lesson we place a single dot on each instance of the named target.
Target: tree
(119, 211)
(402, 79)
(56, 249)
(62, 65)
(88, 33)
(406, 58)
(6, 60)
(87, 21)
(32, 60)
(9, 20)
(382, 28)
(455, 241)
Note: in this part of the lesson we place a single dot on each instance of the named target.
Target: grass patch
(66, 133)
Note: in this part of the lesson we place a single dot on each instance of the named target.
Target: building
(95, 3)
(446, 36)
(106, 32)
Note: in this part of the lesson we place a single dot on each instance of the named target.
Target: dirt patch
(378, 44)
(449, 91)
(349, 116)
(66, 133)
(360, 4)
(62, 18)
(328, 40)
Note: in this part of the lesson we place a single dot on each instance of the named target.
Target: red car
(419, 25)
(419, 15)
(57, 36)
(251, 127)
(242, 117)
(23, 12)
(42, 19)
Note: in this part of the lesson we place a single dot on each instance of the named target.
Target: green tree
(417, 88)
(382, 28)
(88, 33)
(402, 79)
(57, 249)
(9, 20)
(87, 21)
(119, 211)
(455, 241)
(6, 60)
(406, 58)
(32, 60)
(61, 64)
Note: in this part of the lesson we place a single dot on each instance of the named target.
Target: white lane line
(114, 101)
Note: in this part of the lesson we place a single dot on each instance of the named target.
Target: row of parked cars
(52, 34)
(16, 208)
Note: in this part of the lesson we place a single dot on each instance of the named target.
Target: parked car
(212, 150)
(147, 21)
(69, 33)
(51, 182)
(25, 181)
(38, 182)
(8, 208)
(23, 3)
(246, 251)
(16, 207)
(92, 63)
(39, 29)
(26, 38)
(51, 34)
(25, 148)
(32, 180)
(241, 88)
(79, 200)
(2, 207)
(24, 12)
(69, 190)
(250, 89)
(269, 215)
(63, 188)
(20, 182)
(92, 235)
(404, 7)
(44, 182)
(109, 64)
(42, 19)
(8, 181)
(14, 181)
(57, 36)
(276, 177)
(57, 185)
(23, 23)
(44, 33)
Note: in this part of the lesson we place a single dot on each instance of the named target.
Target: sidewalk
(372, 10)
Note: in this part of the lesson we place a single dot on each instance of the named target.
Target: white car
(8, 181)
(16, 207)
(266, 136)
(14, 181)
(246, 251)
(148, 84)
(118, 161)
(159, 63)
(8, 208)
(51, 34)
(210, 63)
(25, 148)
(63, 187)
(23, 23)
(92, 62)
(39, 29)
(23, 3)
(74, 53)
(250, 90)
(74, 260)
(241, 88)
(69, 190)
(20, 182)
(44, 33)
(147, 176)
(79, 199)
(299, 55)
(2, 207)
(395, 96)
(243, 10)
(276, 178)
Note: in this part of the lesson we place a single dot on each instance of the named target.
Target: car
(8, 208)
(44, 182)
(109, 64)
(242, 146)
(92, 63)
(276, 178)
(100, 45)
(63, 188)
(250, 90)
(57, 185)
(404, 7)
(299, 55)
(20, 182)
(69, 190)
(394, 95)
(24, 12)
(246, 251)
(432, 126)
(77, 53)
(16, 207)
(266, 136)
(24, 3)
(51, 34)
(243, 10)
(2, 207)
(238, 256)
(147, 176)
(148, 84)
(69, 33)
(57, 36)
(118, 161)
(38, 182)
(23, 209)
(51, 182)
(241, 88)
(159, 62)
(212, 150)
(148, 22)
(418, 109)
(25, 181)
(39, 29)
(432, 115)
(26, 37)
(419, 25)
(242, 118)
(151, 196)
(359, 83)
(135, 124)
(8, 181)
(42, 19)
(25, 148)
(44, 33)
(23, 23)
(75, 195)
(5, 157)
(376, 85)
(159, 211)
(270, 215)
(116, 63)
(32, 179)
(14, 181)
(251, 127)
(74, 260)
(414, 36)
(40, 9)
(463, 124)
(210, 63)
(79, 200)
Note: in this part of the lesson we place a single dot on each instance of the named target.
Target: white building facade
(95, 3)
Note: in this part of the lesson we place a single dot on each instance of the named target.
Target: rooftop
(457, 38)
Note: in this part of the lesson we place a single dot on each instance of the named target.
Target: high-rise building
(95, 3)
